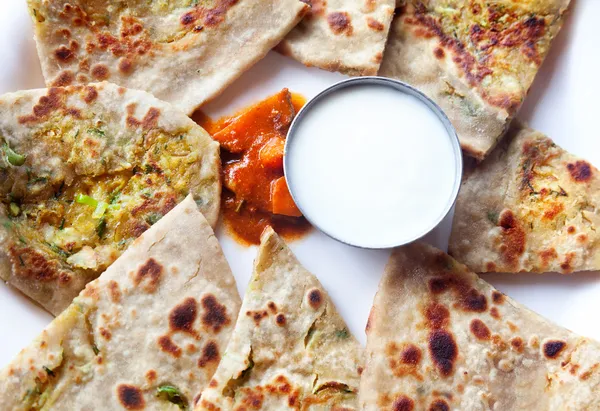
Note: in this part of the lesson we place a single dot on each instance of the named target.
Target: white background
(563, 103)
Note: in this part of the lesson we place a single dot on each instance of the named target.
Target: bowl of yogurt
(373, 162)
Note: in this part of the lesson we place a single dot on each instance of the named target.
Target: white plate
(563, 103)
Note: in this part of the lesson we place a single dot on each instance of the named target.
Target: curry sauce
(255, 194)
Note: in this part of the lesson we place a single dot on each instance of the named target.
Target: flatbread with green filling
(530, 206)
(290, 348)
(182, 51)
(84, 170)
(440, 338)
(475, 59)
(146, 335)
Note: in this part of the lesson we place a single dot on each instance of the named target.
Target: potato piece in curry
(255, 192)
(83, 172)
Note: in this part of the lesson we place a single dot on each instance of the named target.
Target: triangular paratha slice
(475, 59)
(182, 51)
(531, 206)
(341, 35)
(146, 335)
(290, 348)
(84, 170)
(440, 338)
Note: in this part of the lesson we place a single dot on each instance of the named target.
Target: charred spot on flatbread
(517, 344)
(257, 315)
(90, 94)
(167, 345)
(580, 171)
(439, 405)
(374, 24)
(149, 275)
(403, 403)
(151, 376)
(30, 263)
(53, 101)
(215, 315)
(437, 315)
(64, 78)
(210, 354)
(553, 348)
(469, 298)
(340, 23)
(114, 291)
(443, 351)
(100, 72)
(280, 319)
(497, 297)
(513, 239)
(130, 397)
(315, 298)
(149, 121)
(480, 330)
(183, 316)
(404, 359)
(105, 333)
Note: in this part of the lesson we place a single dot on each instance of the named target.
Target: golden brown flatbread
(146, 335)
(84, 170)
(475, 59)
(182, 51)
(530, 206)
(440, 338)
(290, 348)
(341, 35)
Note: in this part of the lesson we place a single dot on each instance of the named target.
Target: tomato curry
(255, 193)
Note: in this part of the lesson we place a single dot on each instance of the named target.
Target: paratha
(440, 338)
(475, 59)
(290, 348)
(341, 35)
(84, 170)
(147, 334)
(182, 51)
(530, 206)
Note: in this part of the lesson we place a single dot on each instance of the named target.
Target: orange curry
(255, 193)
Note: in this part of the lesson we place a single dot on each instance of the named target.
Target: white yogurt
(372, 166)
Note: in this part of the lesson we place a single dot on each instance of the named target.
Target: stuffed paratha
(182, 51)
(530, 206)
(440, 338)
(341, 35)
(476, 59)
(84, 170)
(290, 348)
(147, 334)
